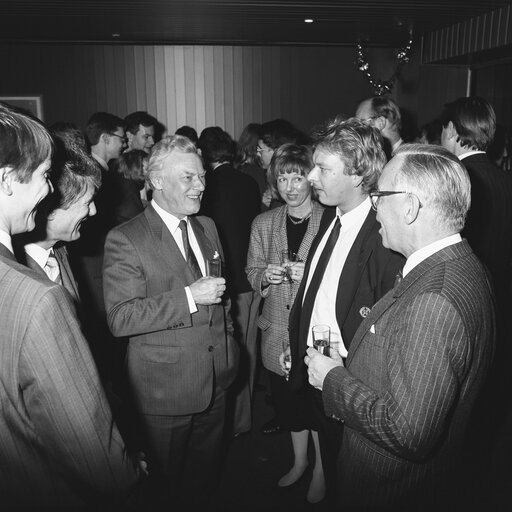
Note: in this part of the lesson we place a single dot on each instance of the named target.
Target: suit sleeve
(68, 409)
(256, 259)
(130, 311)
(420, 363)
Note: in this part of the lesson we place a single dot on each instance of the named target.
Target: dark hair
(135, 119)
(279, 131)
(216, 145)
(189, 132)
(474, 121)
(131, 165)
(73, 170)
(24, 142)
(100, 123)
(68, 133)
(248, 145)
(431, 131)
(383, 106)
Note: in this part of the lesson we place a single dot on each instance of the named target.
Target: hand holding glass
(321, 338)
(287, 259)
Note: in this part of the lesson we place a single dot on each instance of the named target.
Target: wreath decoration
(381, 87)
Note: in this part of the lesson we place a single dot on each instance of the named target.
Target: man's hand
(318, 367)
(208, 290)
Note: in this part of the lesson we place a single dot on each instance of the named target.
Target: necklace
(299, 220)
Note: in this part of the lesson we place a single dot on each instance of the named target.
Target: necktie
(52, 268)
(189, 253)
(322, 263)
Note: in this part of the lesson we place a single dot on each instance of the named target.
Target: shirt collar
(100, 161)
(396, 145)
(38, 254)
(470, 153)
(422, 254)
(355, 216)
(171, 221)
(5, 239)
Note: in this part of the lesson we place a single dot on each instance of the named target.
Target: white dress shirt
(172, 223)
(470, 153)
(324, 309)
(5, 240)
(38, 254)
(422, 254)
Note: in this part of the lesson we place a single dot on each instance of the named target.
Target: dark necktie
(321, 265)
(189, 253)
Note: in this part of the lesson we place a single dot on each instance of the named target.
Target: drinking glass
(321, 338)
(213, 267)
(287, 259)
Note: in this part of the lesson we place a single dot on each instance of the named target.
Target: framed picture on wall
(34, 104)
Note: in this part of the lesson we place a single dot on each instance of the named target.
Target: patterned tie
(52, 268)
(189, 253)
(322, 263)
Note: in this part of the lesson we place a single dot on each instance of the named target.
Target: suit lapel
(279, 232)
(68, 279)
(448, 253)
(6, 253)
(205, 244)
(353, 269)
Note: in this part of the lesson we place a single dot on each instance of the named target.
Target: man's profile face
(65, 224)
(144, 139)
(328, 177)
(181, 184)
(115, 143)
(389, 208)
(27, 197)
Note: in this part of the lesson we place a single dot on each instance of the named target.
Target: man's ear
(451, 131)
(105, 138)
(155, 178)
(379, 123)
(6, 178)
(129, 136)
(412, 208)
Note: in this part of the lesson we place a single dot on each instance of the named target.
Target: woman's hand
(273, 274)
(285, 361)
(296, 271)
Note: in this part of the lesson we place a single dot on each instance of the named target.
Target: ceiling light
(116, 35)
(308, 20)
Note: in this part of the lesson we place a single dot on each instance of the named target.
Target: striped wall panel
(484, 32)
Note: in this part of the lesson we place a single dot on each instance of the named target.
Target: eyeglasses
(123, 138)
(375, 196)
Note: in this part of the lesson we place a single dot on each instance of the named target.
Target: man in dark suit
(419, 359)
(59, 447)
(76, 179)
(181, 354)
(340, 287)
(232, 200)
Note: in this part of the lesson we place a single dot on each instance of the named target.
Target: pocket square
(372, 329)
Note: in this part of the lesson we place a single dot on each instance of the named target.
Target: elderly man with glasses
(420, 358)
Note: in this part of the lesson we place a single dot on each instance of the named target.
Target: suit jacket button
(211, 348)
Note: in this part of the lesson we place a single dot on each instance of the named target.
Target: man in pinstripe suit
(59, 447)
(418, 361)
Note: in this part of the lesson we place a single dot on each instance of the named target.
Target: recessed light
(116, 35)
(308, 20)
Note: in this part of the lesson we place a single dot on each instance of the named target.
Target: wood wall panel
(201, 86)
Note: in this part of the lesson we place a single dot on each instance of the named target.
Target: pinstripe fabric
(413, 373)
(268, 239)
(59, 445)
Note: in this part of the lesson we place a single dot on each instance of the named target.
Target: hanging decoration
(382, 87)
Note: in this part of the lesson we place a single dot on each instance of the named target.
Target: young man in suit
(181, 354)
(419, 359)
(60, 449)
(347, 269)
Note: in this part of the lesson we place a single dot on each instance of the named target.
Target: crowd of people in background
(146, 278)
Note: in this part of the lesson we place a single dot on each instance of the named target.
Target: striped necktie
(52, 268)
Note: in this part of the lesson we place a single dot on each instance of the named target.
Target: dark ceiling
(233, 22)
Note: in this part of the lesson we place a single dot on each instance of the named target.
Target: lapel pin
(364, 311)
